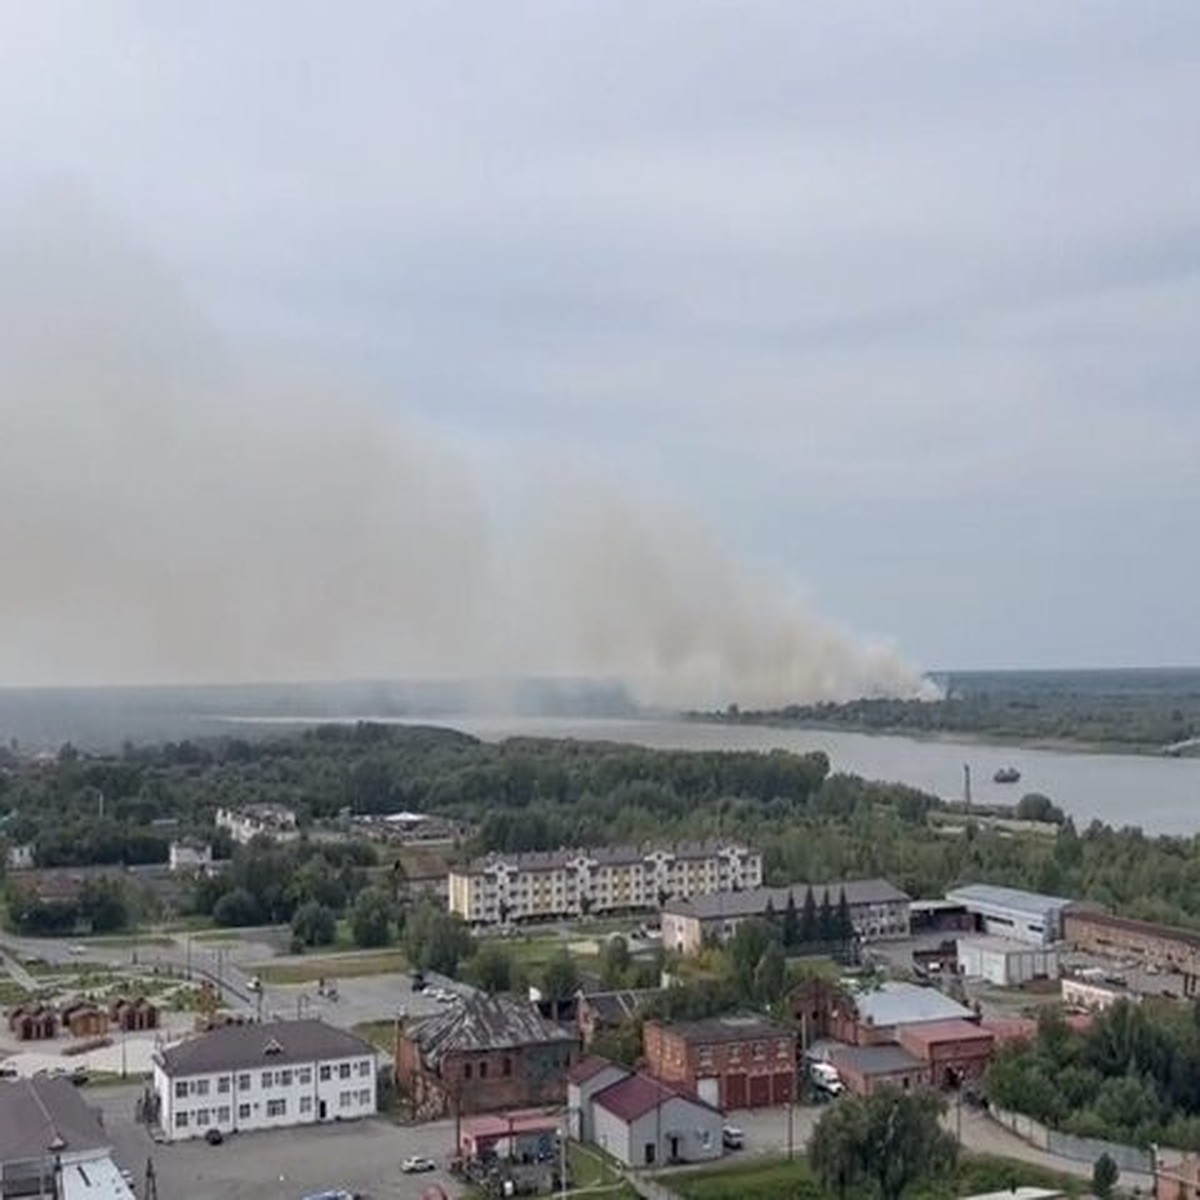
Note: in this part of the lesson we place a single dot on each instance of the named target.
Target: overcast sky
(902, 299)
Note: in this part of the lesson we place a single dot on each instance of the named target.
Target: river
(1162, 795)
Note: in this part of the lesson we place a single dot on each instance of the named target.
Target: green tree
(435, 940)
(1105, 1174)
(746, 949)
(615, 961)
(770, 976)
(560, 978)
(845, 923)
(237, 907)
(809, 931)
(314, 924)
(826, 921)
(371, 918)
(790, 930)
(906, 1142)
(1034, 806)
(492, 968)
(104, 905)
(838, 1147)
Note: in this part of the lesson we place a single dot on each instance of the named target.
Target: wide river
(1162, 795)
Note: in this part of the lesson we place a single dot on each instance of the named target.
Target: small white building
(1006, 962)
(642, 1122)
(1095, 995)
(20, 858)
(268, 1076)
(258, 820)
(189, 855)
(584, 1080)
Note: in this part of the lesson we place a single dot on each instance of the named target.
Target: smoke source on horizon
(169, 515)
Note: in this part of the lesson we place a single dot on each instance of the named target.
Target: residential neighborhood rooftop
(927, 1033)
(736, 1028)
(875, 1060)
(588, 1068)
(39, 1115)
(635, 1095)
(481, 1023)
(550, 860)
(754, 901)
(621, 1004)
(235, 1047)
(897, 1003)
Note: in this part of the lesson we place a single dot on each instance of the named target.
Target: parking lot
(285, 1164)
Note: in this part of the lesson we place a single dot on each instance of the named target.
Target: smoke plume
(168, 514)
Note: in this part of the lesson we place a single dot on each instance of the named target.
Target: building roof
(40, 1115)
(241, 1047)
(552, 860)
(1010, 1029)
(930, 1033)
(875, 1060)
(1019, 1193)
(1002, 945)
(636, 1095)
(740, 1027)
(485, 1023)
(1183, 937)
(1033, 904)
(897, 1003)
(753, 902)
(589, 1068)
(616, 1006)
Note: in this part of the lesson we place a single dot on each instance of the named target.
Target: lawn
(350, 966)
(12, 993)
(778, 1179)
(379, 1033)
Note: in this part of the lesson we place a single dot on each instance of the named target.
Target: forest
(811, 825)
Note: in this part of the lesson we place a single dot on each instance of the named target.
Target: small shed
(33, 1022)
(133, 1015)
(84, 1019)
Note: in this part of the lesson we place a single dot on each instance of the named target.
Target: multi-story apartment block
(268, 1076)
(568, 883)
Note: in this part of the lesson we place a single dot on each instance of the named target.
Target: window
(243, 1112)
(200, 1087)
(244, 1082)
(285, 1079)
(364, 1097)
(364, 1067)
(181, 1090)
(306, 1104)
(223, 1115)
(181, 1120)
(466, 1070)
(507, 1070)
(276, 1108)
(483, 1070)
(267, 1077)
(202, 1117)
(344, 1071)
(325, 1073)
(223, 1085)
(304, 1075)
(344, 1100)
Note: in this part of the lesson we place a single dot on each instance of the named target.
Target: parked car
(732, 1138)
(416, 1163)
(214, 1137)
(255, 984)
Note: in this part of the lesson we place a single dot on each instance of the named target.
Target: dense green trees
(435, 940)
(314, 924)
(890, 1139)
(371, 918)
(1133, 1077)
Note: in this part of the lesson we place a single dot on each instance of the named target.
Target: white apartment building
(271, 820)
(267, 1076)
(570, 883)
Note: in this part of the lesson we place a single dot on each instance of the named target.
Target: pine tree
(808, 919)
(791, 923)
(826, 921)
(845, 924)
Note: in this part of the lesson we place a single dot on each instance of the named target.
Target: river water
(1160, 794)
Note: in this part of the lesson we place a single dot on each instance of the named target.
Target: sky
(897, 303)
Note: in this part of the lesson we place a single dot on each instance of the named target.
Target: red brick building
(954, 1051)
(728, 1062)
(484, 1054)
(1163, 946)
(865, 1069)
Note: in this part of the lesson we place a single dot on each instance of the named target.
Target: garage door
(781, 1087)
(735, 1091)
(760, 1091)
(709, 1090)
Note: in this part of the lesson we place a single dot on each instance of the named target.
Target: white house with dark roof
(53, 1144)
(267, 1076)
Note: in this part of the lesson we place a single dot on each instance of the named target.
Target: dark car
(214, 1137)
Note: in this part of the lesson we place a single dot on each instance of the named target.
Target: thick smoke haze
(169, 513)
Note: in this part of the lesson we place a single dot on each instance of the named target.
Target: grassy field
(378, 1033)
(12, 992)
(349, 966)
(594, 1172)
(778, 1179)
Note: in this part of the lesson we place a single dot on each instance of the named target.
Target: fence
(1069, 1145)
